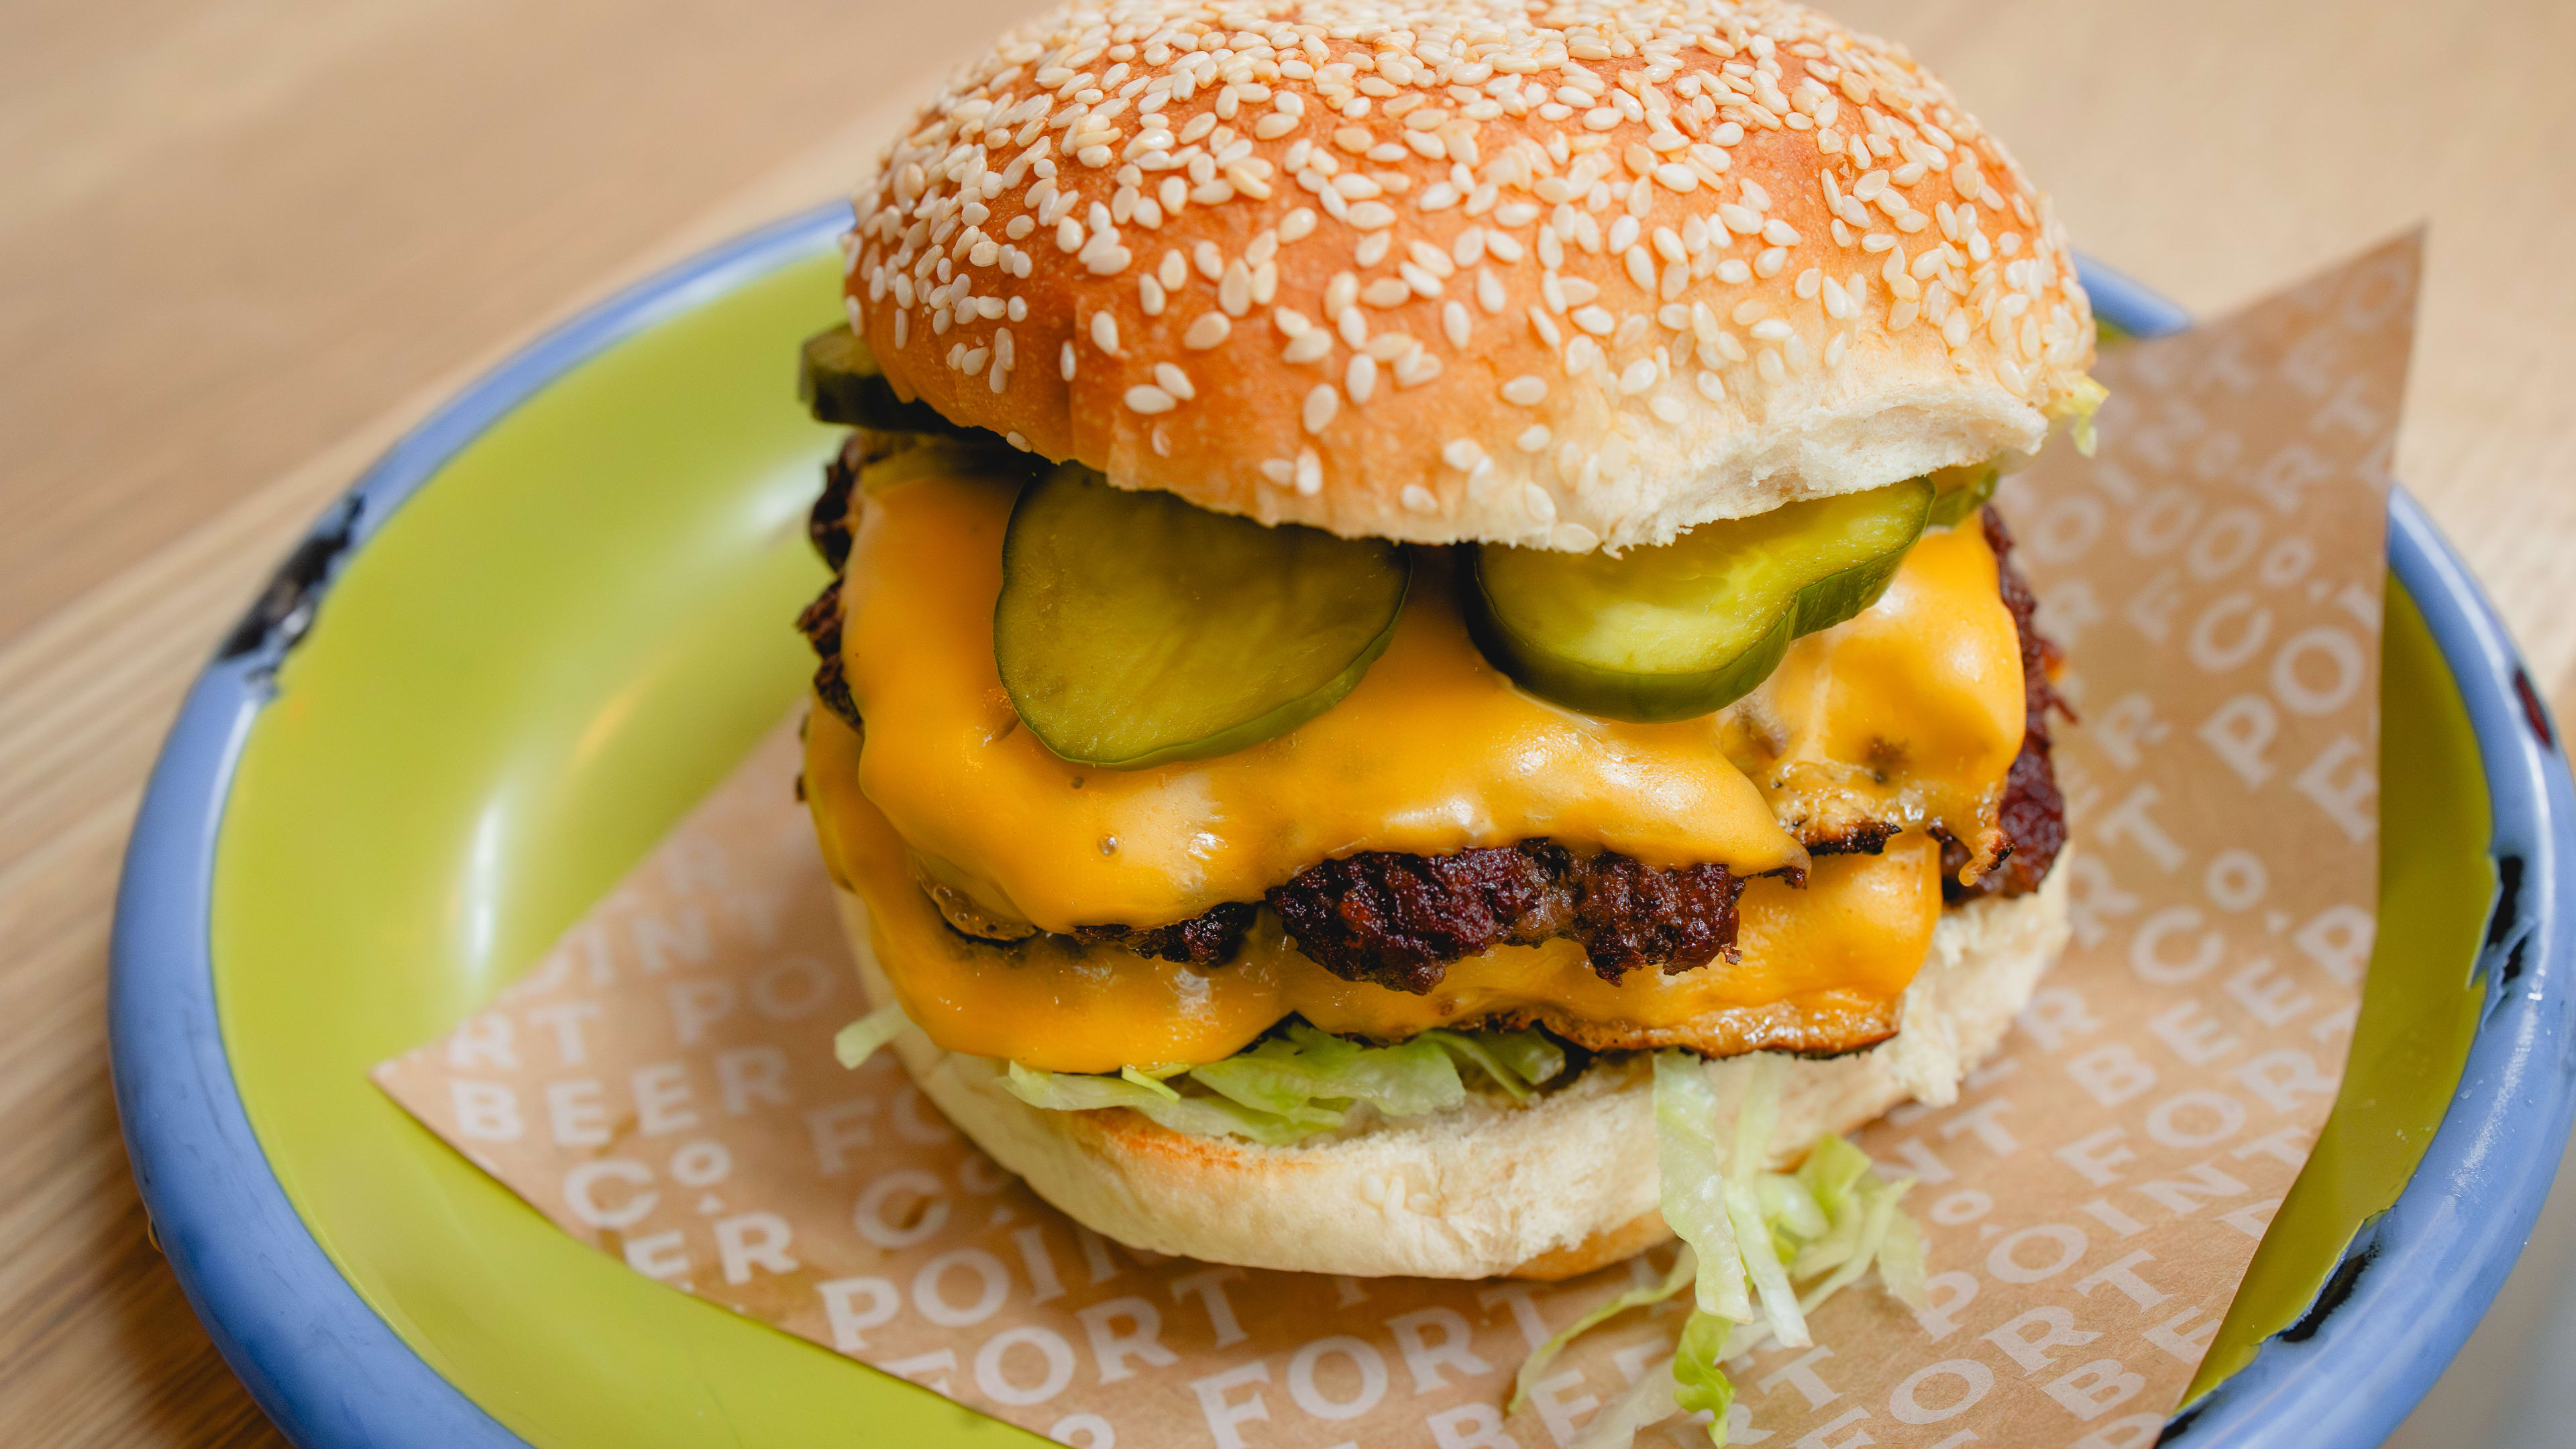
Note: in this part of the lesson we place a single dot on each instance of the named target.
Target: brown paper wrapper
(662, 1086)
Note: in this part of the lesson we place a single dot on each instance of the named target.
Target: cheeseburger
(1414, 580)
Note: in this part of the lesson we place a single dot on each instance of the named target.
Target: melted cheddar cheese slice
(1908, 715)
(1821, 966)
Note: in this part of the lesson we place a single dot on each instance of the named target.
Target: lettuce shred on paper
(859, 1040)
(1750, 1235)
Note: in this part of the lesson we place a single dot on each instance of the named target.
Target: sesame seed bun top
(1570, 275)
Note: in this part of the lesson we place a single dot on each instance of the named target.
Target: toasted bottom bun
(1550, 1190)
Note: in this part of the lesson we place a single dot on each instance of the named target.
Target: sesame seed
(1639, 376)
(1307, 346)
(1533, 439)
(1104, 332)
(1064, 359)
(1210, 329)
(1419, 498)
(1359, 379)
(1710, 386)
(1149, 400)
(1594, 320)
(1174, 381)
(1771, 329)
(1462, 454)
(1310, 471)
(1387, 292)
(1321, 404)
(1526, 390)
(1455, 324)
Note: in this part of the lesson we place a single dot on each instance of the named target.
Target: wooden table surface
(244, 242)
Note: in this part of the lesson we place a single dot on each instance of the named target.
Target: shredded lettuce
(1900, 1257)
(1284, 1073)
(859, 1040)
(2076, 407)
(1515, 1061)
(1698, 1382)
(1536, 1364)
(1694, 1186)
(1301, 1082)
(1753, 1235)
(1149, 1082)
(1647, 1402)
(1198, 1115)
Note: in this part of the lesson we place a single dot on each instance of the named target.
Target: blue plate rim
(332, 1373)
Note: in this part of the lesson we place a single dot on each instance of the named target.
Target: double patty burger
(1398, 560)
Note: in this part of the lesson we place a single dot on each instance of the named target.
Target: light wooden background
(243, 243)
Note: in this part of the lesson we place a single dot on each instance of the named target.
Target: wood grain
(243, 243)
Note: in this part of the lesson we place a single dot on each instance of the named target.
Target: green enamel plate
(574, 623)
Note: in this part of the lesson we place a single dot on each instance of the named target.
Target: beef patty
(1399, 920)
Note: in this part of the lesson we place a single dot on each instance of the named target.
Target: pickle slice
(837, 377)
(1134, 629)
(1958, 492)
(1692, 626)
